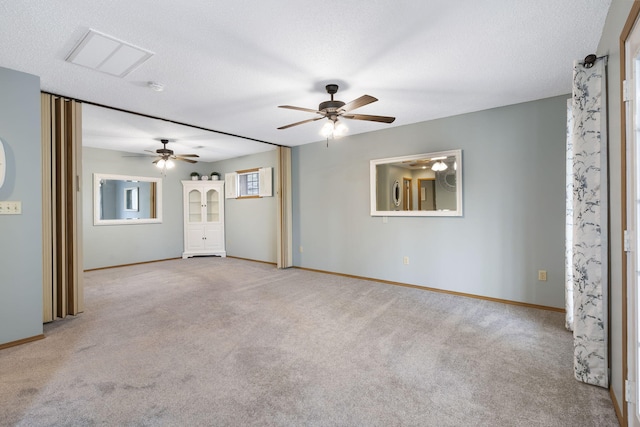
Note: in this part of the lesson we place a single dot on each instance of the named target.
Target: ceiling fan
(334, 109)
(166, 156)
(436, 164)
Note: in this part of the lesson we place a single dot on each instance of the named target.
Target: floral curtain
(568, 260)
(586, 289)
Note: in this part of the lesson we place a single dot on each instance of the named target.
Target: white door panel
(632, 50)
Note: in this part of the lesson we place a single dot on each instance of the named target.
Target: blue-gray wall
(513, 197)
(21, 235)
(109, 245)
(250, 224)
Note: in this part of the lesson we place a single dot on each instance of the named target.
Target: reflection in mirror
(396, 193)
(122, 199)
(131, 195)
(437, 190)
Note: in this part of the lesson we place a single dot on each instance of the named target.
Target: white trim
(97, 177)
(231, 189)
(265, 182)
(373, 184)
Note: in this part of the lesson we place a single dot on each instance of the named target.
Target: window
(248, 183)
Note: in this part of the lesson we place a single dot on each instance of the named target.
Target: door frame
(626, 31)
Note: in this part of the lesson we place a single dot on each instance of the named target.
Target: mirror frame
(97, 177)
(390, 160)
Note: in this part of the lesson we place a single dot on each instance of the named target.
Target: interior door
(632, 54)
(427, 194)
(407, 196)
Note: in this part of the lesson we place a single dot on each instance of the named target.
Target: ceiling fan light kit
(334, 109)
(165, 164)
(333, 129)
(439, 166)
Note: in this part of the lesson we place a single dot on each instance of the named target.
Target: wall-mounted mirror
(123, 199)
(431, 185)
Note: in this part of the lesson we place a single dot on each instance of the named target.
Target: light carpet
(221, 341)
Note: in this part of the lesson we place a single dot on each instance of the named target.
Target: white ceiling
(117, 130)
(227, 64)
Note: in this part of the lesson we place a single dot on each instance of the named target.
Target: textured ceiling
(227, 64)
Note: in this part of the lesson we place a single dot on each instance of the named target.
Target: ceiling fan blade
(302, 122)
(359, 102)
(290, 107)
(187, 155)
(185, 160)
(156, 160)
(382, 119)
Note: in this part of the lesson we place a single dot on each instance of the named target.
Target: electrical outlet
(542, 275)
(385, 219)
(405, 260)
(301, 249)
(10, 208)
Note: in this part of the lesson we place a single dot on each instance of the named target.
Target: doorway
(427, 194)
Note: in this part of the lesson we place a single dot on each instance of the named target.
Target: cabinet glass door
(195, 206)
(213, 208)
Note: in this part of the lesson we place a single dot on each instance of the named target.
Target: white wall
(513, 223)
(21, 235)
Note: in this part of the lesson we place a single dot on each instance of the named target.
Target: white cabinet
(203, 218)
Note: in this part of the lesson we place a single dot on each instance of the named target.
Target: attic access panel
(107, 54)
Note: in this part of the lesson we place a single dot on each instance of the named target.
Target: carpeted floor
(221, 341)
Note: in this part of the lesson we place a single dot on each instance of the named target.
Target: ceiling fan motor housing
(164, 151)
(331, 88)
(330, 106)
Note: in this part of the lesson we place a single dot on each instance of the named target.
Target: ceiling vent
(107, 54)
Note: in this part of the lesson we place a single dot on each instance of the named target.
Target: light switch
(10, 208)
